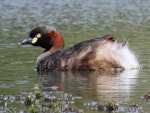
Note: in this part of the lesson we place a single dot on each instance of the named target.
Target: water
(77, 21)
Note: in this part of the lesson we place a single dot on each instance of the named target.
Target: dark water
(77, 21)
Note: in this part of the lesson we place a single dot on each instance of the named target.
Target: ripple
(16, 62)
(21, 82)
(4, 86)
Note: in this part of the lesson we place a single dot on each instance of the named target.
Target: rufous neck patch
(57, 38)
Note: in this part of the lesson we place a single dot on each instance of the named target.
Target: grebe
(103, 53)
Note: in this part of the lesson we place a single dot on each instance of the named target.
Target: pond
(77, 21)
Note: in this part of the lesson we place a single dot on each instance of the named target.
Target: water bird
(102, 53)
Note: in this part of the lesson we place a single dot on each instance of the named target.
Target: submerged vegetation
(52, 100)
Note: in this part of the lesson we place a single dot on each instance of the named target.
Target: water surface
(77, 21)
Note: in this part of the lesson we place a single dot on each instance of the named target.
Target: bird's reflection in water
(93, 85)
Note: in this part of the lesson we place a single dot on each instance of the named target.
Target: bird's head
(44, 37)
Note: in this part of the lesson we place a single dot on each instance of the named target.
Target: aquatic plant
(51, 100)
(111, 106)
(146, 97)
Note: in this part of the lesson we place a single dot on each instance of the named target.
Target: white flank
(124, 56)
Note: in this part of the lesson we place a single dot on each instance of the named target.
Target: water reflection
(101, 86)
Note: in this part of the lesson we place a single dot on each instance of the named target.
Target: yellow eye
(34, 40)
(38, 35)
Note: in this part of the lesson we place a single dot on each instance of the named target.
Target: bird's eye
(38, 35)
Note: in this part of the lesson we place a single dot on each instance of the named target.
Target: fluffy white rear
(124, 56)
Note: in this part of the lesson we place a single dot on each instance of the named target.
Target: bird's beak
(27, 41)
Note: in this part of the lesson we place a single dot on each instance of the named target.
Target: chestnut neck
(57, 39)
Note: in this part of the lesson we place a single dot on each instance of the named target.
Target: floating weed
(32, 110)
(38, 95)
(146, 97)
(51, 100)
(114, 107)
(54, 101)
(111, 106)
(135, 108)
